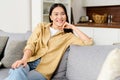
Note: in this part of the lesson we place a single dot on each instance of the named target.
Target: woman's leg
(20, 73)
(34, 75)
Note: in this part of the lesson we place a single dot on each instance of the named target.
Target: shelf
(105, 25)
(45, 14)
(48, 1)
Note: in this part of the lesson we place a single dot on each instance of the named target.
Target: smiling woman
(46, 46)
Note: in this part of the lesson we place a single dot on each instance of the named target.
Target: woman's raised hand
(67, 25)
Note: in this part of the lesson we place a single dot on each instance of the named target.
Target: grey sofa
(78, 62)
(11, 49)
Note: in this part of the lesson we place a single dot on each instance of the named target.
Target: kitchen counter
(104, 25)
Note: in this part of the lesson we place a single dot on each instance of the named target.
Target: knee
(20, 69)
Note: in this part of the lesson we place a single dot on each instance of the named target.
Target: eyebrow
(58, 12)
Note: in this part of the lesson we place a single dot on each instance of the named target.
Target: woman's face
(58, 16)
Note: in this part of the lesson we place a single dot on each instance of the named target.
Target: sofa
(78, 62)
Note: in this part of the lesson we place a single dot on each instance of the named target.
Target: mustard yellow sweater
(50, 49)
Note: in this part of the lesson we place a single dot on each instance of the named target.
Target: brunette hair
(64, 8)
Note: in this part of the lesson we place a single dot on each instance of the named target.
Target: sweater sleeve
(77, 41)
(32, 41)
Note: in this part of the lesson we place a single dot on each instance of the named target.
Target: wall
(15, 15)
(78, 10)
(101, 2)
(36, 12)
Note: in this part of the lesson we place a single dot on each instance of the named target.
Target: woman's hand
(67, 25)
(19, 63)
(23, 61)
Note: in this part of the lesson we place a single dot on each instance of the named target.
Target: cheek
(65, 18)
(52, 18)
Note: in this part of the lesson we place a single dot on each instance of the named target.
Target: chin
(60, 24)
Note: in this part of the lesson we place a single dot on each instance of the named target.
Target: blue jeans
(26, 73)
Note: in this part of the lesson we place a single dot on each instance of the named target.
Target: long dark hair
(64, 8)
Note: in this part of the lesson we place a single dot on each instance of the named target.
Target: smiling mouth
(60, 21)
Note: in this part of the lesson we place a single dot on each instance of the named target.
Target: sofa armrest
(117, 78)
(60, 73)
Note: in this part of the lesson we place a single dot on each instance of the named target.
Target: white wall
(78, 10)
(36, 12)
(15, 15)
(101, 2)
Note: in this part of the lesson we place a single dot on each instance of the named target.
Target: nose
(60, 16)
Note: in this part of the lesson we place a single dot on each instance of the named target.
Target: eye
(63, 13)
(56, 14)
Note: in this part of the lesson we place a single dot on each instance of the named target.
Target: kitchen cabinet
(87, 30)
(102, 36)
(88, 3)
(105, 36)
(119, 36)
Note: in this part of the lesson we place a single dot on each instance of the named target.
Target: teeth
(59, 21)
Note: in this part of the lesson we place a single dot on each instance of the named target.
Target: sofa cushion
(3, 73)
(60, 73)
(15, 36)
(14, 51)
(3, 41)
(84, 63)
(111, 67)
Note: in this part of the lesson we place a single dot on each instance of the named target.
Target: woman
(46, 46)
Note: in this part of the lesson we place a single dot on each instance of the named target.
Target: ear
(51, 18)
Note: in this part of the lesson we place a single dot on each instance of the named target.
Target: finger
(64, 25)
(18, 65)
(24, 65)
(14, 65)
(67, 25)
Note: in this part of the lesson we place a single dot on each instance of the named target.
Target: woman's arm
(23, 61)
(29, 48)
(80, 34)
(27, 55)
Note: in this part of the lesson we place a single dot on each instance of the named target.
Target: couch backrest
(15, 36)
(84, 63)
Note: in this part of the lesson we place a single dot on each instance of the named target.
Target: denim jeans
(26, 73)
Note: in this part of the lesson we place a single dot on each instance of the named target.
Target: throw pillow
(14, 51)
(3, 41)
(111, 67)
(60, 73)
(0, 64)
